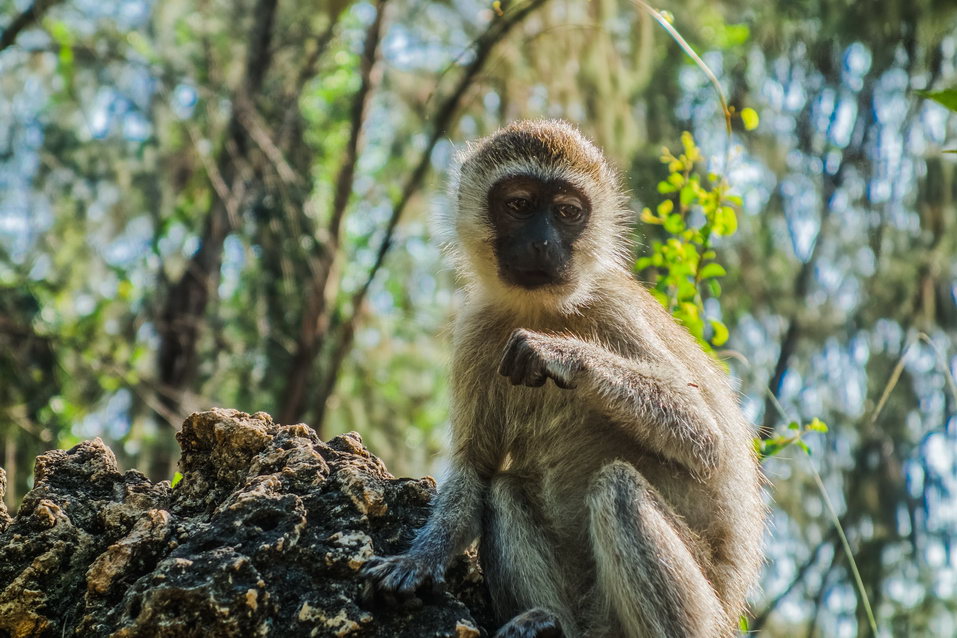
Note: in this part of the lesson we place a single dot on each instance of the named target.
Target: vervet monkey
(624, 497)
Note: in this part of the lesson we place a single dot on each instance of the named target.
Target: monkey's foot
(395, 579)
(534, 623)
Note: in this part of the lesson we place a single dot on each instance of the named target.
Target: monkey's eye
(569, 212)
(518, 205)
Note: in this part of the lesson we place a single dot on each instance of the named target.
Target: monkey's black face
(536, 224)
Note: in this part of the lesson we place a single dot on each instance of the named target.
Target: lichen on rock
(264, 535)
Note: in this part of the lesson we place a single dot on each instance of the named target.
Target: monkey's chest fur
(558, 446)
(556, 442)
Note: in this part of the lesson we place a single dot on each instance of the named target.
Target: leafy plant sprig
(693, 212)
(794, 435)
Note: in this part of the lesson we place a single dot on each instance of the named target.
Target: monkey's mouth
(532, 278)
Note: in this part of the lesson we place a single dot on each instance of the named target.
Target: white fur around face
(467, 233)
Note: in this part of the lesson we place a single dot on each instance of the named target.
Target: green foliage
(64, 39)
(685, 264)
(946, 97)
(744, 625)
(793, 436)
(696, 210)
(177, 477)
(750, 119)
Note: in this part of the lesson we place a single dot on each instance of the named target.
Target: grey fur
(622, 499)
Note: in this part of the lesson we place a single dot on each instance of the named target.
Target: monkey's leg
(520, 566)
(647, 577)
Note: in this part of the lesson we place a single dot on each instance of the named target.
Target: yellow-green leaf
(712, 270)
(674, 224)
(946, 98)
(648, 217)
(720, 333)
(725, 221)
(750, 119)
(817, 425)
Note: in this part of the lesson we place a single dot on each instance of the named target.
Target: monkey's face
(536, 223)
(539, 217)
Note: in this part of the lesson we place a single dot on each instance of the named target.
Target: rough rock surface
(263, 536)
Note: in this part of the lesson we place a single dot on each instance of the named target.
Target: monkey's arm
(456, 518)
(454, 523)
(659, 403)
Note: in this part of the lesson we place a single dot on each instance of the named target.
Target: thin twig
(694, 56)
(23, 20)
(942, 362)
(495, 33)
(847, 548)
(833, 513)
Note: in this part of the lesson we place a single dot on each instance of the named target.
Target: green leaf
(743, 623)
(771, 448)
(720, 333)
(794, 425)
(750, 119)
(665, 207)
(177, 477)
(675, 223)
(947, 97)
(725, 221)
(687, 195)
(712, 270)
(686, 290)
(817, 425)
(801, 444)
(664, 188)
(714, 287)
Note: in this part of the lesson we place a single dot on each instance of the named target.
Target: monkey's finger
(508, 358)
(392, 581)
(521, 364)
(439, 585)
(370, 565)
(368, 593)
(374, 594)
(412, 602)
(408, 583)
(535, 376)
(561, 380)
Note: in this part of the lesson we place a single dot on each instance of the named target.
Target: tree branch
(182, 315)
(802, 281)
(31, 14)
(484, 45)
(315, 320)
(760, 619)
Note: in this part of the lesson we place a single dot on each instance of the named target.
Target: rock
(263, 536)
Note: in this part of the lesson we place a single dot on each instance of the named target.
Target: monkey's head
(539, 216)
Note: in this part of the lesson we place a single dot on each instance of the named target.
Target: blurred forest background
(228, 203)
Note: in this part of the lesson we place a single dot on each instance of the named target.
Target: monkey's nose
(540, 245)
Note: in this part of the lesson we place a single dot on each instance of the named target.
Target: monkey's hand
(531, 358)
(394, 579)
